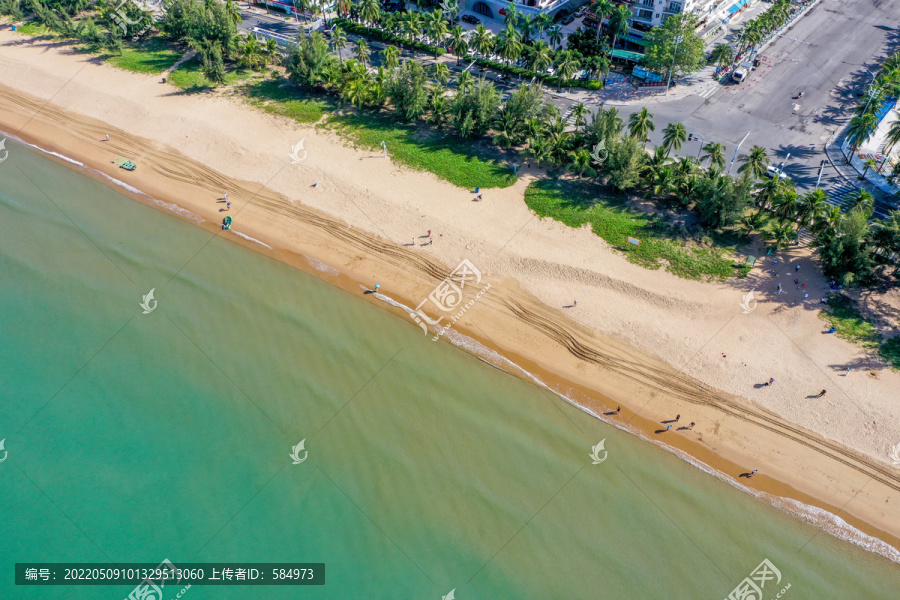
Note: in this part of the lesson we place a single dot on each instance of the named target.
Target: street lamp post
(734, 158)
(672, 68)
(691, 137)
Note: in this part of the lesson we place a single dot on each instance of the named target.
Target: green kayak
(226, 224)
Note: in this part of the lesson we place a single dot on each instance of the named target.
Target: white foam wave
(320, 266)
(167, 205)
(824, 520)
(251, 239)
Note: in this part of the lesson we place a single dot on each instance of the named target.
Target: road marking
(707, 92)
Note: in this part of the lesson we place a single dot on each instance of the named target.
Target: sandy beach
(654, 344)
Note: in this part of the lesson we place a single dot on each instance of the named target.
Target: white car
(773, 171)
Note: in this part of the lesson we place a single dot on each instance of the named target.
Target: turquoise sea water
(140, 437)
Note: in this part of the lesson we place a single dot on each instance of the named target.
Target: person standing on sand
(752, 473)
(376, 288)
(618, 409)
(770, 382)
(668, 427)
(691, 426)
(107, 137)
(677, 417)
(822, 393)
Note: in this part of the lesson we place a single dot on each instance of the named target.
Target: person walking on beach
(618, 409)
(770, 382)
(822, 393)
(668, 427)
(376, 288)
(691, 426)
(107, 137)
(228, 206)
(428, 235)
(752, 473)
(677, 417)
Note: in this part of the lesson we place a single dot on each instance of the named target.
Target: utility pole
(821, 168)
(734, 158)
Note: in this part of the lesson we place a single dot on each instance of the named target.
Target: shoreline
(565, 356)
(776, 493)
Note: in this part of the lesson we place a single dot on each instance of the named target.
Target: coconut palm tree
(566, 66)
(506, 130)
(458, 42)
(542, 22)
(812, 207)
(390, 57)
(603, 9)
(464, 81)
(509, 44)
(619, 22)
(369, 11)
(580, 161)
(640, 124)
(411, 25)
(338, 41)
(893, 135)
(512, 15)
(234, 12)
(435, 28)
(539, 59)
(554, 34)
(862, 201)
(579, 114)
(361, 49)
(527, 27)
(861, 128)
(782, 236)
(673, 136)
(769, 192)
(441, 72)
(722, 55)
(715, 152)
(654, 163)
(343, 7)
(755, 163)
(483, 40)
(787, 206)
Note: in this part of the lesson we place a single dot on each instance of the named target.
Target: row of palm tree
(756, 30)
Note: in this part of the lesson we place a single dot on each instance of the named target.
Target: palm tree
(862, 201)
(411, 25)
(541, 22)
(483, 40)
(861, 128)
(512, 15)
(673, 136)
(441, 73)
(769, 192)
(343, 7)
(464, 81)
(722, 55)
(362, 51)
(250, 53)
(580, 161)
(812, 207)
(579, 114)
(458, 42)
(566, 66)
(893, 137)
(787, 206)
(715, 152)
(271, 50)
(539, 58)
(506, 130)
(755, 163)
(435, 28)
(369, 11)
(602, 8)
(234, 12)
(555, 36)
(508, 44)
(619, 22)
(640, 124)
(390, 57)
(338, 41)
(782, 236)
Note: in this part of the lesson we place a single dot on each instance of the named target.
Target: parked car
(568, 19)
(470, 19)
(772, 171)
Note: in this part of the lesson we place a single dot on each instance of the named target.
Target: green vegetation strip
(151, 57)
(190, 78)
(576, 204)
(275, 97)
(843, 314)
(451, 158)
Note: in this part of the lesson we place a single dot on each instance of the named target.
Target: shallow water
(137, 437)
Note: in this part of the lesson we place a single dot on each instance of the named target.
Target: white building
(651, 13)
(496, 9)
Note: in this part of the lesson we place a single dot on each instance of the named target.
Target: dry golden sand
(646, 340)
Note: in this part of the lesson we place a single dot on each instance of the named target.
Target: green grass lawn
(450, 158)
(190, 78)
(151, 57)
(33, 29)
(576, 204)
(843, 314)
(276, 97)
